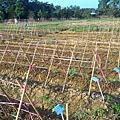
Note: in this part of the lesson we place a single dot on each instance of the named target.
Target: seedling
(109, 98)
(101, 111)
(116, 108)
(81, 115)
(72, 72)
(87, 76)
(112, 80)
(97, 67)
(110, 61)
(14, 114)
(54, 71)
(93, 112)
(85, 64)
(45, 98)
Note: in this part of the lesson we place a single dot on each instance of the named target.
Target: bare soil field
(41, 68)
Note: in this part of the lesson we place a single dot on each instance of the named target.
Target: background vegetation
(26, 9)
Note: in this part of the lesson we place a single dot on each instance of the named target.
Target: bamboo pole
(15, 63)
(51, 62)
(24, 89)
(95, 55)
(108, 54)
(83, 57)
(69, 67)
(67, 116)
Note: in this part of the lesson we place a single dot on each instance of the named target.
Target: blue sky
(81, 3)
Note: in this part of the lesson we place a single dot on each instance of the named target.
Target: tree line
(25, 9)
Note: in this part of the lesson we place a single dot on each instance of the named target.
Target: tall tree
(19, 9)
(1, 15)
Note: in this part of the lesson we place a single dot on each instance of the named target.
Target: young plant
(80, 115)
(72, 72)
(109, 98)
(112, 80)
(14, 114)
(54, 71)
(85, 64)
(97, 66)
(109, 61)
(116, 108)
(93, 113)
(100, 111)
(87, 76)
(47, 102)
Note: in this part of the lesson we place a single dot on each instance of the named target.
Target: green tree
(31, 14)
(10, 10)
(103, 4)
(77, 12)
(1, 15)
(19, 9)
(39, 14)
(109, 8)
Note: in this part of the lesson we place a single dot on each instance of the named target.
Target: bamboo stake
(83, 57)
(15, 63)
(108, 54)
(52, 58)
(69, 67)
(30, 101)
(24, 89)
(95, 55)
(67, 117)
